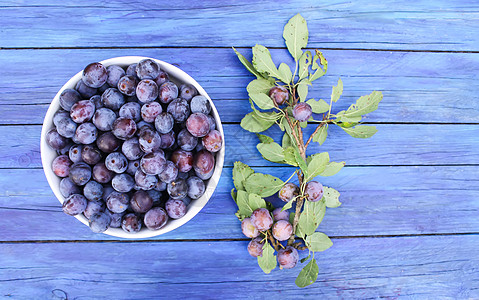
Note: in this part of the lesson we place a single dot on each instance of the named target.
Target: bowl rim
(193, 208)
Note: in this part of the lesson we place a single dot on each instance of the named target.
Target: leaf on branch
(259, 86)
(360, 131)
(320, 71)
(295, 35)
(233, 194)
(332, 168)
(264, 138)
(267, 116)
(241, 171)
(253, 123)
(319, 106)
(304, 63)
(288, 205)
(337, 91)
(321, 135)
(256, 202)
(263, 101)
(311, 217)
(364, 105)
(267, 261)
(247, 64)
(331, 197)
(300, 161)
(348, 121)
(271, 151)
(285, 126)
(317, 165)
(286, 141)
(285, 72)
(264, 185)
(318, 242)
(263, 62)
(305, 258)
(308, 274)
(243, 204)
(289, 156)
(303, 90)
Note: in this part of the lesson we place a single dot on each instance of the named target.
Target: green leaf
(247, 64)
(318, 242)
(286, 142)
(243, 203)
(305, 258)
(252, 123)
(300, 161)
(267, 261)
(321, 135)
(317, 165)
(331, 197)
(311, 217)
(256, 202)
(337, 91)
(264, 138)
(288, 205)
(289, 156)
(263, 101)
(233, 194)
(264, 116)
(295, 35)
(272, 151)
(240, 216)
(361, 131)
(349, 121)
(333, 168)
(363, 105)
(303, 90)
(285, 73)
(304, 63)
(259, 86)
(304, 124)
(319, 71)
(263, 62)
(264, 185)
(291, 217)
(308, 274)
(319, 106)
(286, 126)
(241, 171)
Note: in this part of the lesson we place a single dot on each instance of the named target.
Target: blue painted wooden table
(409, 223)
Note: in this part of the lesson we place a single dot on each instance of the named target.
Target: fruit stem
(299, 207)
(315, 131)
(272, 240)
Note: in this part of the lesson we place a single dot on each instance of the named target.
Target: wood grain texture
(376, 201)
(405, 267)
(407, 144)
(418, 25)
(417, 87)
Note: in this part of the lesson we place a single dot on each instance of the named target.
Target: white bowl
(177, 76)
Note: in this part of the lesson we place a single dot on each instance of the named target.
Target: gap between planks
(346, 166)
(226, 240)
(238, 123)
(228, 47)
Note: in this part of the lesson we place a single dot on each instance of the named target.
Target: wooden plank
(417, 87)
(368, 268)
(406, 144)
(376, 201)
(421, 25)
